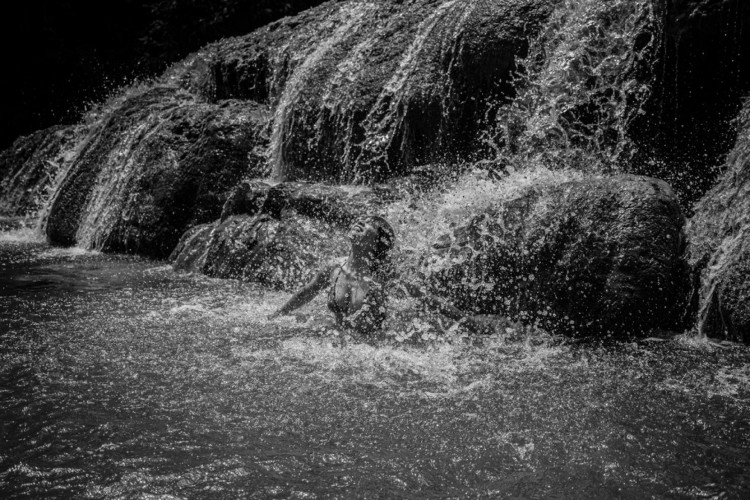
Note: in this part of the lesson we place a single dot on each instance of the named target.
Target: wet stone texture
(156, 163)
(599, 256)
(363, 91)
(720, 246)
(337, 205)
(280, 253)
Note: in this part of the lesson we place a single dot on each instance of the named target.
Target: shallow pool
(122, 379)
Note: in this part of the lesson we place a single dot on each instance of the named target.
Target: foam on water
(68, 252)
(174, 384)
(22, 235)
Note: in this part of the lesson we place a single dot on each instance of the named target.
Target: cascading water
(388, 113)
(281, 128)
(581, 87)
(105, 205)
(120, 378)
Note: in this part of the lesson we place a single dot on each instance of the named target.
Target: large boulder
(30, 166)
(366, 90)
(280, 253)
(279, 234)
(599, 256)
(719, 251)
(158, 162)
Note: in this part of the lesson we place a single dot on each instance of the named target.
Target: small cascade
(106, 204)
(387, 114)
(351, 15)
(34, 165)
(719, 251)
(392, 87)
(581, 87)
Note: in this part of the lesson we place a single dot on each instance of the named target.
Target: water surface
(122, 379)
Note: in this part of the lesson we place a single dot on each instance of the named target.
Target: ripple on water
(154, 383)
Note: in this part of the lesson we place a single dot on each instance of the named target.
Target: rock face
(283, 254)
(276, 235)
(352, 92)
(338, 206)
(719, 249)
(365, 90)
(697, 90)
(29, 168)
(157, 163)
(600, 256)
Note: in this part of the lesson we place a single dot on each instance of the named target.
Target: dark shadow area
(701, 76)
(62, 56)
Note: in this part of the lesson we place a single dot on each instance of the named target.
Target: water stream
(120, 378)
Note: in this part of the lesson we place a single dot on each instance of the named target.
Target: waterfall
(387, 113)
(282, 121)
(580, 89)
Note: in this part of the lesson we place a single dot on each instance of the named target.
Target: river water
(120, 378)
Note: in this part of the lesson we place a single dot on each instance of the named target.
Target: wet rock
(598, 256)
(29, 167)
(157, 162)
(697, 89)
(719, 250)
(363, 91)
(282, 254)
(279, 234)
(337, 205)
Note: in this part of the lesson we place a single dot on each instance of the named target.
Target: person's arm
(306, 293)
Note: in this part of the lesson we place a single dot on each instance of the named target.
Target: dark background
(61, 56)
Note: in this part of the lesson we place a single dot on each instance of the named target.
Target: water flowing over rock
(29, 168)
(228, 145)
(593, 256)
(720, 247)
(157, 163)
(582, 85)
(364, 90)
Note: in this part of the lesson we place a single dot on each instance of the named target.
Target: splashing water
(120, 378)
(580, 90)
(418, 220)
(22, 235)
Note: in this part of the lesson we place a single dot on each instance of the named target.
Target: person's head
(374, 236)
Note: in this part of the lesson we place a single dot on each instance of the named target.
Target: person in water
(357, 295)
